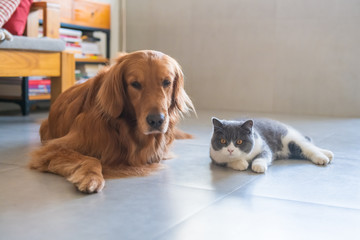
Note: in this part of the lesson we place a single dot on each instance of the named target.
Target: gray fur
(272, 132)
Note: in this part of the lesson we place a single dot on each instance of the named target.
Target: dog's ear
(111, 94)
(180, 100)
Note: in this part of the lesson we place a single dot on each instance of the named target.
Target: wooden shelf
(92, 60)
(31, 98)
(40, 97)
(10, 97)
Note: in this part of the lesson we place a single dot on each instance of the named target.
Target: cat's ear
(248, 125)
(216, 122)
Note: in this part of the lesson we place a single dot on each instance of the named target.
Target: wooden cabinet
(83, 12)
(91, 14)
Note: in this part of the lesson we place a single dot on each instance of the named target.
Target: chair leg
(66, 78)
(25, 103)
(25, 109)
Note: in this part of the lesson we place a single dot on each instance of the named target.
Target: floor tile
(6, 167)
(190, 198)
(337, 184)
(17, 154)
(240, 216)
(44, 206)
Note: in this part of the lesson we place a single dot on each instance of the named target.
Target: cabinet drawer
(91, 14)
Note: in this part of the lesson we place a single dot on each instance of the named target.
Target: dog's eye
(166, 83)
(136, 85)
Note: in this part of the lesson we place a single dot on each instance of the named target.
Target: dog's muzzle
(155, 121)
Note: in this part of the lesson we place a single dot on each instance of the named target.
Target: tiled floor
(190, 198)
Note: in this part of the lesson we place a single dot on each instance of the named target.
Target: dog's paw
(169, 155)
(239, 165)
(90, 183)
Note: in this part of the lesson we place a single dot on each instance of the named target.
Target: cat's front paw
(239, 165)
(259, 165)
(321, 159)
(328, 153)
(259, 168)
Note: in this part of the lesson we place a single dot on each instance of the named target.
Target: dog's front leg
(84, 172)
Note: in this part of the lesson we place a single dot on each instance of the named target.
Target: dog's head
(147, 87)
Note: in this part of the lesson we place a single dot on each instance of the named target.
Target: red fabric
(17, 22)
(7, 8)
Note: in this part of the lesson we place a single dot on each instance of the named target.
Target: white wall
(292, 56)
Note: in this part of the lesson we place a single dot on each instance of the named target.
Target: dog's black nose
(155, 120)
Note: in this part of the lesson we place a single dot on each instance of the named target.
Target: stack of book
(39, 86)
(73, 41)
(86, 71)
(83, 45)
(90, 46)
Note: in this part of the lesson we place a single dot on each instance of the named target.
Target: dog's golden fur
(100, 127)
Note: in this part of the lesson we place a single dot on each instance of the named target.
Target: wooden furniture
(86, 16)
(38, 59)
(48, 11)
(83, 13)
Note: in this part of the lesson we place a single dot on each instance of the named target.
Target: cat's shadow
(225, 177)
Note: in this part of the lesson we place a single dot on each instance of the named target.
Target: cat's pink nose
(230, 151)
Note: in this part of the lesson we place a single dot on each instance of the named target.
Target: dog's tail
(179, 134)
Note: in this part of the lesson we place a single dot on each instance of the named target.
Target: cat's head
(231, 140)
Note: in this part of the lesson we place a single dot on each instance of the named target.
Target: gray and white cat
(258, 142)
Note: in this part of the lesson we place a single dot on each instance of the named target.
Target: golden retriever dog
(121, 122)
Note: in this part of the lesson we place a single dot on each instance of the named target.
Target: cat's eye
(222, 141)
(238, 142)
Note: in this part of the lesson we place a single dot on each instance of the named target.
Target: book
(39, 86)
(70, 32)
(90, 48)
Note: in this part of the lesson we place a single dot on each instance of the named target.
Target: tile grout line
(304, 202)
